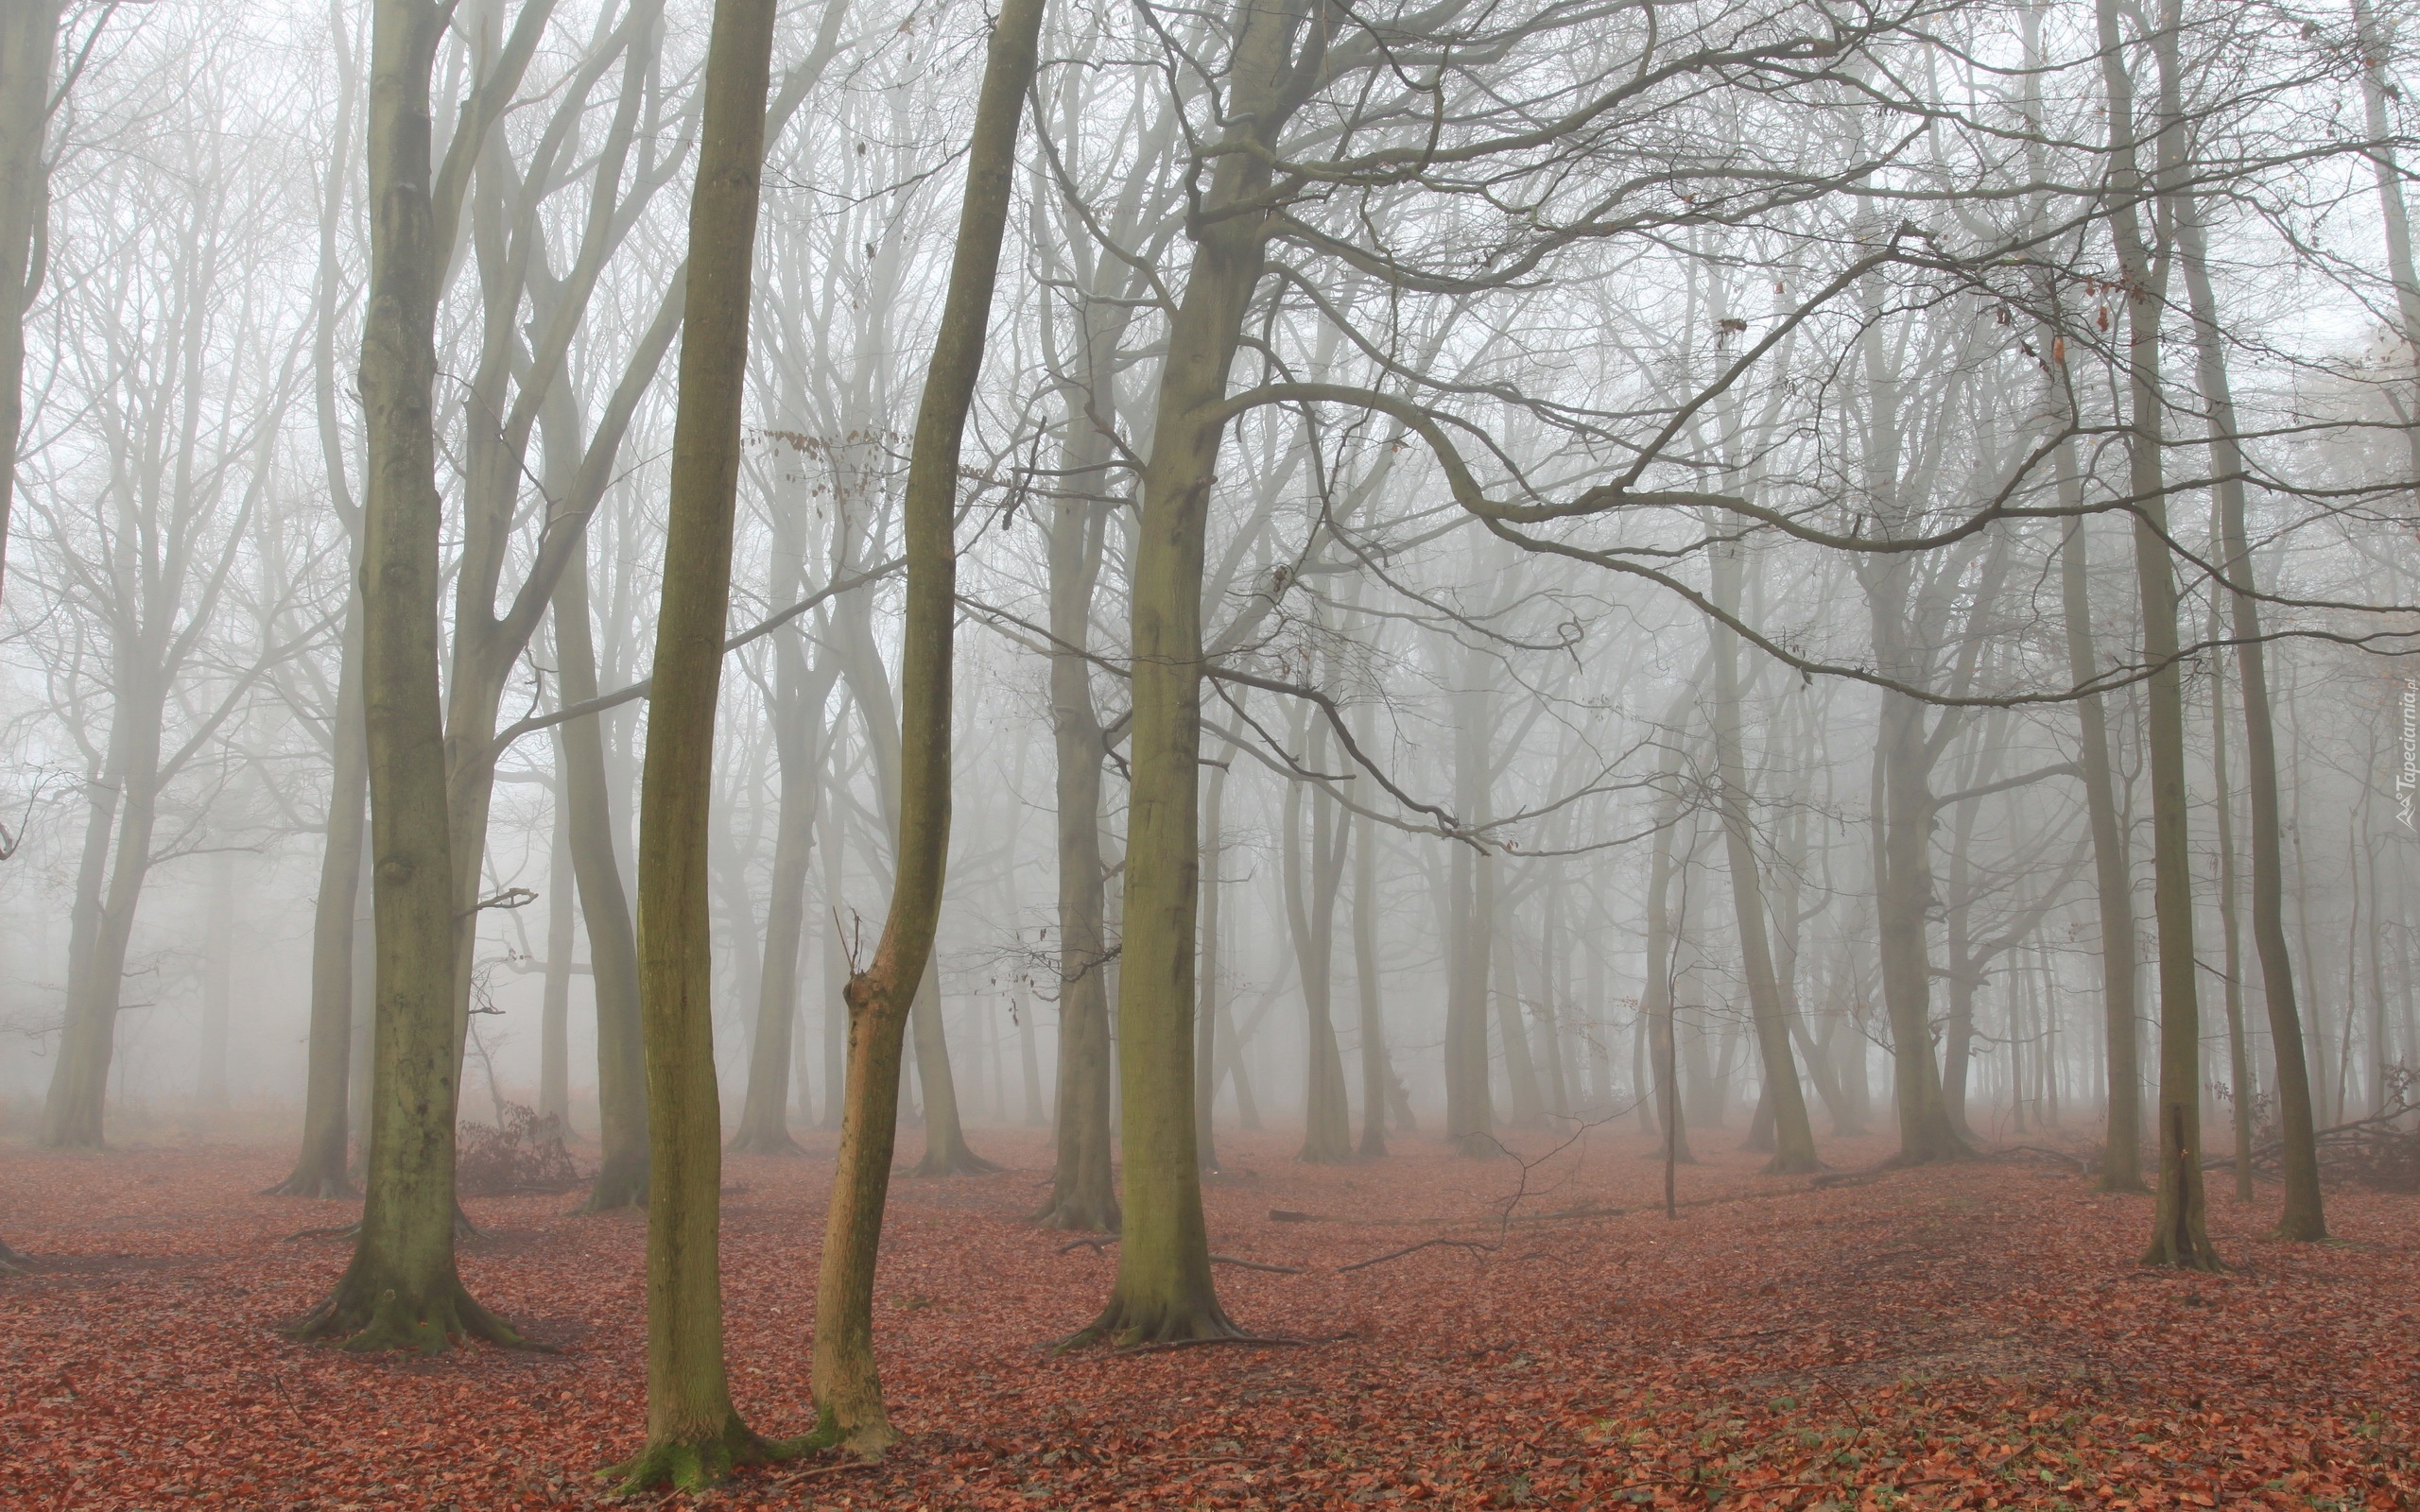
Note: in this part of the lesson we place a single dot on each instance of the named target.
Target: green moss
(701, 1465)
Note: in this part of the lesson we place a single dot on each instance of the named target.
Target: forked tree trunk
(330, 1092)
(2306, 1215)
(605, 910)
(2179, 1235)
(1164, 1292)
(848, 1388)
(1083, 1188)
(1310, 887)
(121, 809)
(694, 1435)
(401, 1289)
(1793, 1136)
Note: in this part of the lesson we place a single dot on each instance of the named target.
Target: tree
(694, 1435)
(2304, 1215)
(1793, 1136)
(847, 1387)
(28, 46)
(321, 1168)
(180, 476)
(2179, 1236)
(401, 1289)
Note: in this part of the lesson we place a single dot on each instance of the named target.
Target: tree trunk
(2121, 1165)
(1470, 1103)
(1655, 993)
(554, 1022)
(210, 1090)
(320, 1170)
(1206, 1007)
(2178, 1230)
(401, 1289)
(945, 1149)
(798, 695)
(1512, 1029)
(694, 1435)
(1164, 1292)
(848, 1391)
(1310, 887)
(2304, 1216)
(29, 44)
(2238, 1055)
(1793, 1136)
(1377, 1076)
(605, 910)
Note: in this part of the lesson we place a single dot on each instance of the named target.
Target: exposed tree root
(1780, 1165)
(12, 1260)
(1076, 1216)
(361, 1321)
(697, 1466)
(1947, 1152)
(868, 1436)
(773, 1141)
(619, 1185)
(959, 1161)
(1128, 1325)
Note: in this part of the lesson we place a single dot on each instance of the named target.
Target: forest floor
(1970, 1336)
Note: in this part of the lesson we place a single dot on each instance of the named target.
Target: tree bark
(799, 696)
(320, 1171)
(1206, 1007)
(694, 1435)
(554, 1022)
(605, 910)
(1655, 993)
(210, 1088)
(2121, 1165)
(28, 46)
(847, 1390)
(1793, 1135)
(2304, 1215)
(2179, 1235)
(401, 1289)
(1311, 887)
(1164, 1292)
(1377, 1076)
(1470, 1103)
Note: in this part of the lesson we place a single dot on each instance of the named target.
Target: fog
(1712, 572)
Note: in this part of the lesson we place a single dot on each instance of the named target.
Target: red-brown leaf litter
(1967, 1336)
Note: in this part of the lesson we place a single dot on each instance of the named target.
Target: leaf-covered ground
(1973, 1336)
